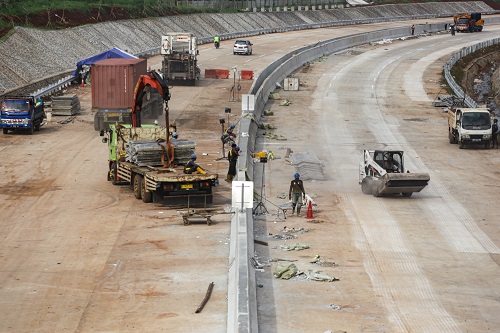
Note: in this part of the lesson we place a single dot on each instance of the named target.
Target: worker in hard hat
(232, 156)
(175, 136)
(296, 193)
(228, 136)
(192, 166)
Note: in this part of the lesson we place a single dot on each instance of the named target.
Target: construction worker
(227, 136)
(412, 29)
(296, 193)
(168, 151)
(217, 42)
(232, 157)
(192, 167)
(494, 131)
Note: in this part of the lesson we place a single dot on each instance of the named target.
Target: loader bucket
(404, 183)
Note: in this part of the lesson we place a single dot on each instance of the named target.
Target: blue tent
(113, 53)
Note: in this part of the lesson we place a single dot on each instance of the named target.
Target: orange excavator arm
(155, 81)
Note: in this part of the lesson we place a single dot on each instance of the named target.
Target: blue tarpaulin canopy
(113, 53)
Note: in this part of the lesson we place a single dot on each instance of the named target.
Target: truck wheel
(406, 195)
(461, 145)
(487, 144)
(37, 126)
(5, 131)
(138, 186)
(31, 129)
(112, 174)
(147, 197)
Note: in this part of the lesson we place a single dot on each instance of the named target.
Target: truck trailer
(150, 181)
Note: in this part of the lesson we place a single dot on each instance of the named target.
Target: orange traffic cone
(310, 210)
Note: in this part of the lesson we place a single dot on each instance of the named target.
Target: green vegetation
(54, 14)
(150, 7)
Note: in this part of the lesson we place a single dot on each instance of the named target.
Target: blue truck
(21, 113)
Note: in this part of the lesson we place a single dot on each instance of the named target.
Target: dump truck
(146, 176)
(382, 172)
(470, 126)
(468, 22)
(21, 113)
(180, 58)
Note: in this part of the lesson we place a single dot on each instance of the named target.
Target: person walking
(296, 193)
(452, 29)
(232, 157)
(412, 29)
(217, 42)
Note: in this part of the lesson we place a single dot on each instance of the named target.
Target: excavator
(468, 22)
(382, 172)
(146, 83)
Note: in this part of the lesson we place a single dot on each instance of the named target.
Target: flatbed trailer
(153, 183)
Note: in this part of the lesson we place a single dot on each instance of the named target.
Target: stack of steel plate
(183, 151)
(65, 105)
(143, 152)
(307, 165)
(148, 152)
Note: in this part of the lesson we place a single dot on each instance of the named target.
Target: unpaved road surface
(78, 254)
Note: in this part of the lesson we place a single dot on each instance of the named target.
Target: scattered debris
(285, 102)
(315, 275)
(335, 307)
(285, 236)
(268, 113)
(266, 126)
(278, 259)
(67, 120)
(285, 272)
(256, 241)
(315, 259)
(295, 247)
(207, 297)
(274, 96)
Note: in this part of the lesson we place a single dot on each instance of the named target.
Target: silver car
(242, 46)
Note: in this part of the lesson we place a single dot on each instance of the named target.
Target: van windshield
(476, 120)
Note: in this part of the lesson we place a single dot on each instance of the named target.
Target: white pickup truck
(470, 126)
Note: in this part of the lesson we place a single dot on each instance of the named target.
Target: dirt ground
(81, 255)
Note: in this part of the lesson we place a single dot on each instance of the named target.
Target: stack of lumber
(65, 105)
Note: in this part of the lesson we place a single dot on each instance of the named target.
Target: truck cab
(470, 126)
(21, 113)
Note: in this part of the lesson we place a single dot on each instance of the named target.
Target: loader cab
(391, 161)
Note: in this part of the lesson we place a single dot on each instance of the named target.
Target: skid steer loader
(382, 172)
